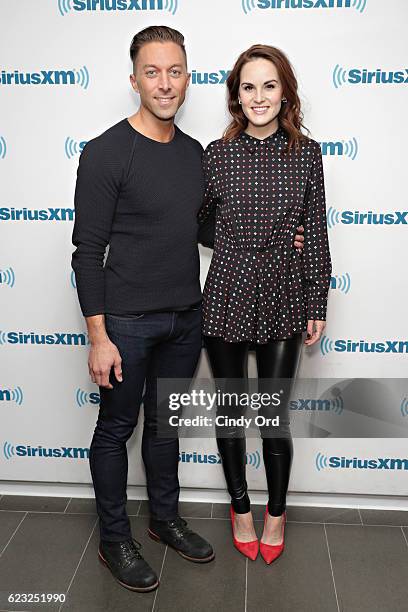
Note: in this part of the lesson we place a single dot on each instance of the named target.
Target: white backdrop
(64, 78)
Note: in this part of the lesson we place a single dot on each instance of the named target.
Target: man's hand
(299, 240)
(314, 331)
(103, 354)
(102, 357)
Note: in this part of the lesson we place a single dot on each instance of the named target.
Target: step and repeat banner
(64, 79)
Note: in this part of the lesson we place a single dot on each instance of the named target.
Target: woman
(263, 178)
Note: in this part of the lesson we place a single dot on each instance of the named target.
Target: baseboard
(217, 496)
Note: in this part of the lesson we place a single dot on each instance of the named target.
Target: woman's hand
(314, 331)
(299, 239)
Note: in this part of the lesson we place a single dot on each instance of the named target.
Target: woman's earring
(284, 100)
(239, 101)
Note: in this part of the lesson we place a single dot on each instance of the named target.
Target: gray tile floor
(335, 560)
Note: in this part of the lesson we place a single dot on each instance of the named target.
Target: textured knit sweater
(141, 197)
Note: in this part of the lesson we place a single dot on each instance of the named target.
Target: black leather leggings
(276, 359)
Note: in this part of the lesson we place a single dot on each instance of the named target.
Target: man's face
(161, 78)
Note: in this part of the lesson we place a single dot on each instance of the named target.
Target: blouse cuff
(317, 307)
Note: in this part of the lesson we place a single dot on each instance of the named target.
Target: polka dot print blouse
(258, 286)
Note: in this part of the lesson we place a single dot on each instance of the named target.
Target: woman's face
(260, 92)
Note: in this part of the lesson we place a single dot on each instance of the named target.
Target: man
(139, 189)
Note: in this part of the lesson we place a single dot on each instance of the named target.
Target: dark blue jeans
(152, 346)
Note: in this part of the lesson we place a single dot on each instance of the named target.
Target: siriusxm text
(362, 346)
(198, 458)
(43, 77)
(310, 404)
(397, 217)
(63, 452)
(301, 4)
(46, 214)
(380, 463)
(378, 76)
(209, 78)
(61, 339)
(117, 5)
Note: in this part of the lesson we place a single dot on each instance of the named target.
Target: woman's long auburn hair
(290, 116)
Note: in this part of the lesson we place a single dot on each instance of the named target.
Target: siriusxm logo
(45, 214)
(65, 6)
(83, 397)
(209, 78)
(3, 148)
(252, 459)
(341, 282)
(362, 76)
(318, 405)
(379, 463)
(355, 217)
(362, 346)
(65, 452)
(404, 407)
(12, 395)
(7, 277)
(73, 147)
(250, 5)
(57, 339)
(346, 148)
(47, 77)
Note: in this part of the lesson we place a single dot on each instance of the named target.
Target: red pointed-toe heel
(249, 549)
(271, 552)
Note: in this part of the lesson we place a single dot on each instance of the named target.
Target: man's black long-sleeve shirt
(141, 197)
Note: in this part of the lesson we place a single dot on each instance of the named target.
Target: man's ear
(188, 79)
(133, 82)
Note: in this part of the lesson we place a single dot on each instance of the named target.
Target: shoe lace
(130, 551)
(180, 527)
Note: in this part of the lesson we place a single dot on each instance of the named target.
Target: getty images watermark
(303, 408)
(223, 402)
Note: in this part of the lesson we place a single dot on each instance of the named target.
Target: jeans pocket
(124, 318)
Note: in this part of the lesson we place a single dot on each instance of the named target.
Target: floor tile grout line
(69, 501)
(246, 585)
(201, 518)
(160, 575)
(219, 518)
(186, 516)
(13, 534)
(404, 536)
(331, 567)
(79, 563)
(359, 514)
(381, 525)
(47, 512)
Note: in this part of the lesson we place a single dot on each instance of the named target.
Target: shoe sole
(156, 538)
(128, 586)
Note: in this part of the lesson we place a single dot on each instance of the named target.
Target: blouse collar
(275, 140)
